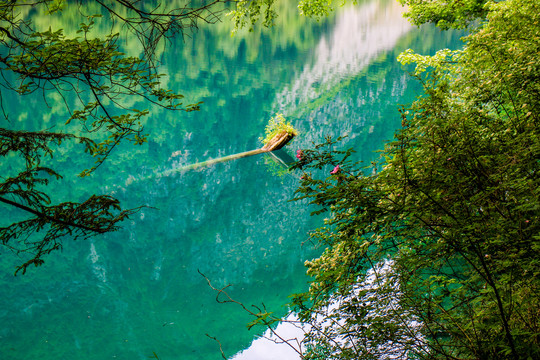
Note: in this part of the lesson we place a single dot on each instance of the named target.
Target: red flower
(336, 170)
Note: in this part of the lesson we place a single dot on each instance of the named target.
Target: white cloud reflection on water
(358, 37)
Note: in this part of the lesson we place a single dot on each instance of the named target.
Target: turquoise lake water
(129, 294)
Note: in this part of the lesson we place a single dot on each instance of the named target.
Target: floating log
(276, 143)
(212, 162)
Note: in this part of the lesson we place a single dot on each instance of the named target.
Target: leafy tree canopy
(433, 252)
(457, 14)
(249, 12)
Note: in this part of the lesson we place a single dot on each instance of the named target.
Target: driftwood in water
(278, 141)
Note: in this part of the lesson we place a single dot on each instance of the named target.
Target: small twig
(266, 323)
(220, 347)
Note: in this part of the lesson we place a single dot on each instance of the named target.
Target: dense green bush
(447, 221)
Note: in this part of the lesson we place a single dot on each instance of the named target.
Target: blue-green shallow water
(138, 291)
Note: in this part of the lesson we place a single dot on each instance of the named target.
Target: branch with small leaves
(261, 317)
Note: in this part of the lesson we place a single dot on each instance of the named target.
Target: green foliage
(317, 8)
(433, 252)
(457, 14)
(276, 125)
(249, 12)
